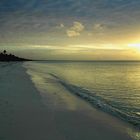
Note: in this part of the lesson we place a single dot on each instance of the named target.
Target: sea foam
(99, 102)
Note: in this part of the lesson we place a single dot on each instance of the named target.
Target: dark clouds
(60, 6)
(27, 20)
(26, 15)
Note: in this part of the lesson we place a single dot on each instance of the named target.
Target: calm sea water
(113, 87)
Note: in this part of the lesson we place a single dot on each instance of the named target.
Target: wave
(99, 102)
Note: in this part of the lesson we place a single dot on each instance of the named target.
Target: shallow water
(113, 87)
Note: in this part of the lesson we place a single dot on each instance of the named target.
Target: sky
(71, 29)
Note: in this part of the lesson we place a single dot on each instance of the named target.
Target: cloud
(75, 30)
(98, 26)
(77, 26)
(72, 33)
(62, 25)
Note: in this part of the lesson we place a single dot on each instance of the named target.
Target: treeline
(10, 57)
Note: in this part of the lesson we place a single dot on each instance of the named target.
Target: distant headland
(10, 57)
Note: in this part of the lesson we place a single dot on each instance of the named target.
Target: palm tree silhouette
(4, 51)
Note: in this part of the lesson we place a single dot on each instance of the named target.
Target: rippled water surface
(114, 87)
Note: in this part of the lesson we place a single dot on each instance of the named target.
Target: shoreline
(25, 116)
(70, 103)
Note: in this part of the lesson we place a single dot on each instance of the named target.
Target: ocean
(70, 100)
(113, 87)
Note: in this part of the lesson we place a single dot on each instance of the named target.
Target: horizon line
(91, 60)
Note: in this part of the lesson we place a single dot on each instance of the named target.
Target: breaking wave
(99, 102)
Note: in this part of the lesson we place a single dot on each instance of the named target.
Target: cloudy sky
(71, 29)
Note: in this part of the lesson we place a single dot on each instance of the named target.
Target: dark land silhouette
(10, 57)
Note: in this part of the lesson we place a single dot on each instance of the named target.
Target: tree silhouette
(4, 51)
(10, 57)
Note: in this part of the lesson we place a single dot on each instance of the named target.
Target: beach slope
(24, 116)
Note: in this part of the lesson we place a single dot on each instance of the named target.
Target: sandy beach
(69, 69)
(27, 115)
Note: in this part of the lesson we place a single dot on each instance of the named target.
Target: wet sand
(24, 116)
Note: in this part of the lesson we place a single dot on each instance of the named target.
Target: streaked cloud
(68, 26)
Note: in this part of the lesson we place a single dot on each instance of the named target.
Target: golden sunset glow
(89, 33)
(136, 46)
